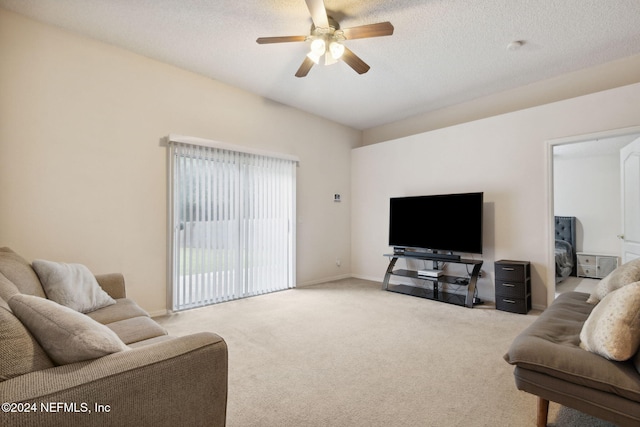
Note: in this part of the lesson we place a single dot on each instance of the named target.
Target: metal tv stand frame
(435, 293)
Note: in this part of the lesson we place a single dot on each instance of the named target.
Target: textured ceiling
(442, 52)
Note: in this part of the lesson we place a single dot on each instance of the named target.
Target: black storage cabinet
(513, 286)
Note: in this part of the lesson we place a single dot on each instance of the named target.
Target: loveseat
(107, 364)
(582, 351)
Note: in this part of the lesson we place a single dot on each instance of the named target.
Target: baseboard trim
(370, 278)
(323, 280)
(158, 313)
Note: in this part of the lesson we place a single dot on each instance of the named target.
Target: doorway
(584, 181)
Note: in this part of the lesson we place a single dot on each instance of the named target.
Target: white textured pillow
(71, 285)
(612, 330)
(628, 272)
(65, 335)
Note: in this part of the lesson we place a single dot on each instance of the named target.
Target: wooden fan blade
(354, 62)
(305, 67)
(318, 13)
(282, 39)
(371, 30)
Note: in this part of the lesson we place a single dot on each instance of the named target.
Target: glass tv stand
(434, 292)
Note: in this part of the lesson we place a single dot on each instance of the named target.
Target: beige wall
(505, 156)
(83, 174)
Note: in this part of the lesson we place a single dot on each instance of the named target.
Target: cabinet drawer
(587, 270)
(514, 305)
(586, 260)
(511, 272)
(510, 289)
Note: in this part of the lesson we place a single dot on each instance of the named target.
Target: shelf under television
(435, 293)
(416, 291)
(451, 280)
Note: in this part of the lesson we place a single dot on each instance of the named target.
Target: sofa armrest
(180, 381)
(113, 284)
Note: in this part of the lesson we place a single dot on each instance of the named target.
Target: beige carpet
(349, 354)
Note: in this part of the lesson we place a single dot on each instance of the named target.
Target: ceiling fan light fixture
(336, 49)
(330, 60)
(314, 57)
(318, 47)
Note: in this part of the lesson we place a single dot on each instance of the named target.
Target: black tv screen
(445, 222)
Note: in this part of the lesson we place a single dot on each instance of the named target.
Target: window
(232, 218)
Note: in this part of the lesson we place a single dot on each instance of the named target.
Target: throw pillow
(612, 330)
(65, 335)
(71, 285)
(17, 270)
(20, 353)
(628, 272)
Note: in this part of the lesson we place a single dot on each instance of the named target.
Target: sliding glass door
(232, 216)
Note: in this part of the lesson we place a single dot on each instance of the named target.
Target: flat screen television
(443, 223)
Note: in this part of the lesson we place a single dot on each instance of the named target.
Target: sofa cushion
(66, 335)
(151, 341)
(550, 345)
(71, 285)
(124, 308)
(627, 273)
(136, 329)
(18, 270)
(613, 327)
(20, 353)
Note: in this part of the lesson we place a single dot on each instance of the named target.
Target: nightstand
(596, 266)
(513, 286)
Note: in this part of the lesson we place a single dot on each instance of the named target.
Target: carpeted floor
(346, 353)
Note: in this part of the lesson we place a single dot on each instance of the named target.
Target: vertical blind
(232, 221)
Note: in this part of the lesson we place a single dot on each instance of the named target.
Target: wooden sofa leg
(543, 411)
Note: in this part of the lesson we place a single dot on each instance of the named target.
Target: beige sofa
(148, 379)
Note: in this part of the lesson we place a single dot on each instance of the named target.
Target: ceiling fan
(327, 39)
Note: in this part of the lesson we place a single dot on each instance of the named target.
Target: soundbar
(428, 255)
(444, 257)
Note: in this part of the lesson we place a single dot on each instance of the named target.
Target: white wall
(83, 175)
(504, 156)
(587, 186)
